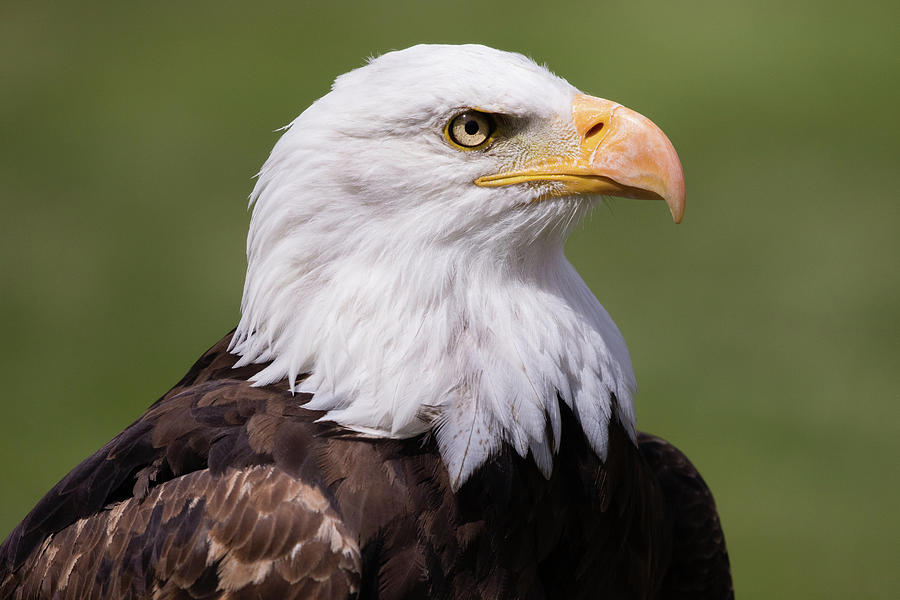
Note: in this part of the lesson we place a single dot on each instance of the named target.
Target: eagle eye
(471, 130)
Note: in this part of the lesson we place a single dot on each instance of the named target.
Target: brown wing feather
(699, 567)
(197, 497)
(254, 532)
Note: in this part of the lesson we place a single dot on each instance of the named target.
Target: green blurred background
(764, 329)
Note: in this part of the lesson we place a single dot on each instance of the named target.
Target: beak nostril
(594, 131)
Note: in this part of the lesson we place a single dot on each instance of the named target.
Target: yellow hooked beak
(622, 153)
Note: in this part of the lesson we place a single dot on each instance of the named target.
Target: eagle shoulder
(215, 489)
(699, 566)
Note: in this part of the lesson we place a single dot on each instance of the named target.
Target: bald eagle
(422, 397)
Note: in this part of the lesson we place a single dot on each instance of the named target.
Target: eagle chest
(507, 532)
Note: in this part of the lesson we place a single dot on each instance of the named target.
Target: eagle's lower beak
(622, 153)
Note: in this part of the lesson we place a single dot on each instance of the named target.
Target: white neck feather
(477, 347)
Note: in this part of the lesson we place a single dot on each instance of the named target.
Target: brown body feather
(224, 490)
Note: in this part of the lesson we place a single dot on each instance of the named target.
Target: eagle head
(406, 271)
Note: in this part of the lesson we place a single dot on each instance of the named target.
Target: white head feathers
(413, 298)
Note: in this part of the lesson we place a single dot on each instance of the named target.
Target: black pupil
(471, 127)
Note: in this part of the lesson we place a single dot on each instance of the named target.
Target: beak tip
(676, 207)
(675, 190)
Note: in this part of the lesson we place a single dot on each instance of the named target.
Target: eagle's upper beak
(621, 153)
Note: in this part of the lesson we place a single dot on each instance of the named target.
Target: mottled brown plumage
(224, 490)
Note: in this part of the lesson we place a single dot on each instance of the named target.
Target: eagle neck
(477, 348)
